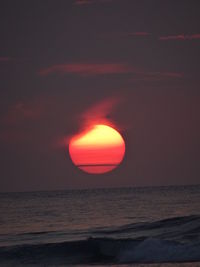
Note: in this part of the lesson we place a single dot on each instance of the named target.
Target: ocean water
(121, 226)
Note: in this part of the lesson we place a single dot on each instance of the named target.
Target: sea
(144, 226)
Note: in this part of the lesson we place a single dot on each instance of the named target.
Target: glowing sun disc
(99, 150)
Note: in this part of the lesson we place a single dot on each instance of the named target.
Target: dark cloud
(88, 2)
(21, 111)
(141, 34)
(137, 34)
(5, 59)
(83, 2)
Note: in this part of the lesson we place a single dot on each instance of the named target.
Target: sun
(98, 150)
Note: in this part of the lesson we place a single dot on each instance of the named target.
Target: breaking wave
(170, 240)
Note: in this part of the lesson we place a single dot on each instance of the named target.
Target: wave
(104, 250)
(171, 240)
(177, 228)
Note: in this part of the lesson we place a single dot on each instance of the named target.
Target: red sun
(99, 150)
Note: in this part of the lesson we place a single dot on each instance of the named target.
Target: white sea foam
(155, 250)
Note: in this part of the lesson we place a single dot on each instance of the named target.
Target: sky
(135, 63)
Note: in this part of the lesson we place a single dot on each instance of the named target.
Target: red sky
(133, 63)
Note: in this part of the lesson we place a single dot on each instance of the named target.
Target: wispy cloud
(181, 37)
(88, 69)
(100, 112)
(97, 69)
